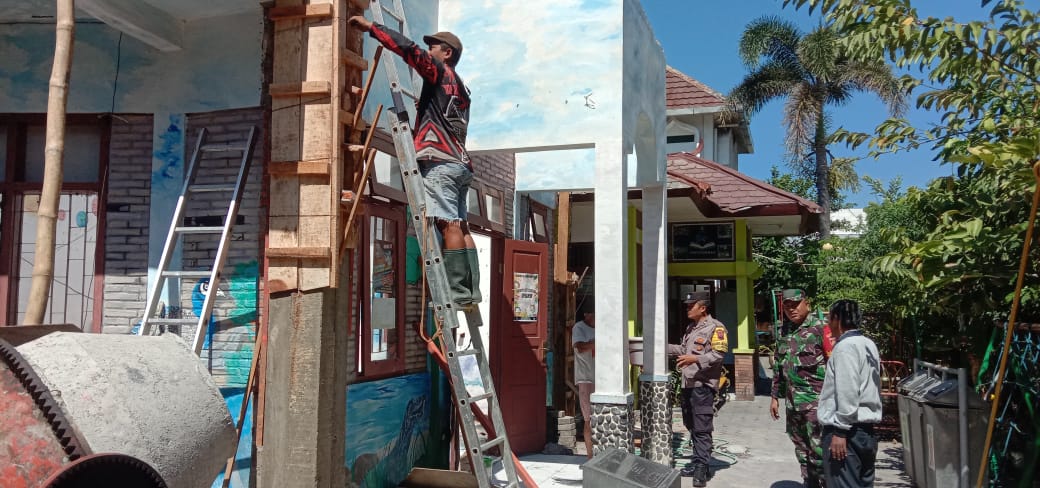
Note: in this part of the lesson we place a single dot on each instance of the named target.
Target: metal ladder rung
(467, 352)
(492, 443)
(477, 398)
(187, 274)
(208, 188)
(222, 148)
(200, 229)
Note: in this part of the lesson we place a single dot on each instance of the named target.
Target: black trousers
(698, 415)
(857, 470)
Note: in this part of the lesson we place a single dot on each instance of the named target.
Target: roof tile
(682, 91)
(731, 190)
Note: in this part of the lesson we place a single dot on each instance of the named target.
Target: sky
(700, 39)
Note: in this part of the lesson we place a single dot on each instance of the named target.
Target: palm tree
(811, 71)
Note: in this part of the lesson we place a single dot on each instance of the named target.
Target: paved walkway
(752, 450)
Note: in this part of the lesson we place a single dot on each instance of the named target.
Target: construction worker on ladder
(440, 138)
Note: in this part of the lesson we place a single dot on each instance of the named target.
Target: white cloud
(529, 65)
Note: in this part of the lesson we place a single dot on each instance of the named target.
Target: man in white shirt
(850, 402)
(583, 337)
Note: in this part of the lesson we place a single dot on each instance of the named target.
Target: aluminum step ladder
(178, 230)
(443, 307)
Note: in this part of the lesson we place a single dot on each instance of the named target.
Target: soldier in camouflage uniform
(799, 367)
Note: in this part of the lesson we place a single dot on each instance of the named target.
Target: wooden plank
(361, 4)
(300, 252)
(364, 93)
(291, 89)
(299, 168)
(313, 11)
(314, 231)
(354, 60)
(284, 197)
(347, 118)
(314, 196)
(563, 237)
(286, 137)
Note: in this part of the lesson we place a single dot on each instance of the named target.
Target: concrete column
(612, 403)
(305, 408)
(744, 353)
(653, 383)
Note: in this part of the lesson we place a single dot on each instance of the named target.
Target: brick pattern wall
(498, 170)
(126, 223)
(235, 312)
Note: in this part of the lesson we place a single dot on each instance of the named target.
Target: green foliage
(810, 71)
(787, 261)
(982, 77)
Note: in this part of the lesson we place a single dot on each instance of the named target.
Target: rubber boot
(457, 269)
(474, 276)
(700, 475)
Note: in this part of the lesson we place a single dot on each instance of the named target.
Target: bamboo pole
(54, 152)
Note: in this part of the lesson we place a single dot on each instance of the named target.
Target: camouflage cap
(696, 297)
(794, 294)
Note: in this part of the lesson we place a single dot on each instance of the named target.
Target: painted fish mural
(384, 442)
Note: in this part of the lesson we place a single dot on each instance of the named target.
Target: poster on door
(525, 297)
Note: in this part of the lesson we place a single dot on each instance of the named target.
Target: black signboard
(702, 241)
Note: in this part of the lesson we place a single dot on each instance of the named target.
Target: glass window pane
(539, 225)
(494, 207)
(383, 284)
(388, 171)
(473, 201)
(82, 151)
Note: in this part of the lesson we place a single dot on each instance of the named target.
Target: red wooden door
(519, 338)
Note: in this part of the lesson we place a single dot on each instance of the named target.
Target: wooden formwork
(316, 126)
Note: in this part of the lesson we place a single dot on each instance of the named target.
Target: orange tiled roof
(681, 91)
(730, 192)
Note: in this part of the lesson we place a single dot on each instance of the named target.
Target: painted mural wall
(421, 16)
(196, 79)
(542, 72)
(388, 426)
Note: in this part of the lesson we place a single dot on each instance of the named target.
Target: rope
(1011, 326)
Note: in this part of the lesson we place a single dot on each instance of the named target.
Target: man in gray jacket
(700, 357)
(850, 402)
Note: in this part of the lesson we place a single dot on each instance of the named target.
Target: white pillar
(655, 273)
(611, 278)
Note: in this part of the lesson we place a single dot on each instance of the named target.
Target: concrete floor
(752, 450)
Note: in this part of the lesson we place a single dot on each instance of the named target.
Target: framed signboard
(702, 241)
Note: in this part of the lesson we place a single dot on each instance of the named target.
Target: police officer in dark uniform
(700, 355)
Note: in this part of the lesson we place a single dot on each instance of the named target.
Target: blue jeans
(447, 188)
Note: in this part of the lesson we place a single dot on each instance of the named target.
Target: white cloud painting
(541, 72)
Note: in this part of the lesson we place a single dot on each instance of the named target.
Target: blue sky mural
(529, 91)
(197, 78)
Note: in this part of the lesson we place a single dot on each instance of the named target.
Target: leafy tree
(983, 78)
(787, 261)
(811, 71)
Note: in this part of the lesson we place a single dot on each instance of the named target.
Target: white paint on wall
(167, 181)
(541, 72)
(555, 170)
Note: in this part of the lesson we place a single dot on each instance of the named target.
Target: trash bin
(942, 427)
(912, 427)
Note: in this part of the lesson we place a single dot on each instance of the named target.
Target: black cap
(699, 296)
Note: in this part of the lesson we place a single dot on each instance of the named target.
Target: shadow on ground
(786, 484)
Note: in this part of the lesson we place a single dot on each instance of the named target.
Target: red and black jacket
(443, 111)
